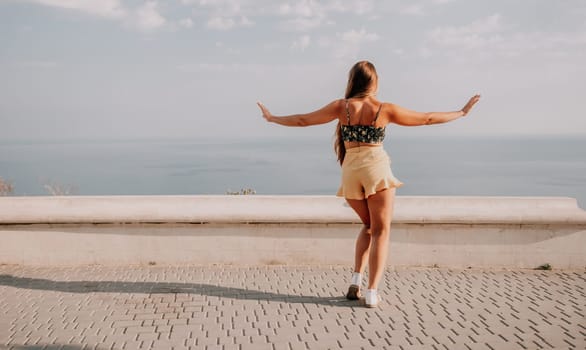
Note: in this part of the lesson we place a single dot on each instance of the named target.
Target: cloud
(348, 44)
(225, 15)
(220, 23)
(227, 50)
(477, 34)
(148, 18)
(358, 36)
(413, 10)
(352, 41)
(246, 22)
(303, 16)
(227, 23)
(222, 12)
(359, 7)
(556, 44)
(186, 23)
(489, 37)
(306, 15)
(301, 24)
(303, 8)
(293, 16)
(102, 8)
(145, 17)
(301, 43)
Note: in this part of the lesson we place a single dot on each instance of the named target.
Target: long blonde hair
(362, 82)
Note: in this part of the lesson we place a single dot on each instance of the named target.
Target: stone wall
(459, 232)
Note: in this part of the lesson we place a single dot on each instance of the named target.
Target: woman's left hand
(473, 100)
(265, 112)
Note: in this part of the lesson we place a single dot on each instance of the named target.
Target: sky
(118, 69)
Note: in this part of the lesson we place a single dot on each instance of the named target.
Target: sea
(441, 166)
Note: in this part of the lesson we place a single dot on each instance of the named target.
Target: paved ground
(277, 307)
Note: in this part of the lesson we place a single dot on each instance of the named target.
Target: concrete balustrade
(445, 231)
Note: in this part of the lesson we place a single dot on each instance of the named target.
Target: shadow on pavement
(167, 288)
(43, 347)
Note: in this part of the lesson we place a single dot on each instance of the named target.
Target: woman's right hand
(265, 112)
(473, 100)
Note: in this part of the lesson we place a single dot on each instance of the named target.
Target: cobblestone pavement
(284, 307)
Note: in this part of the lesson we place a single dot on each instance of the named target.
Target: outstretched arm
(403, 116)
(321, 116)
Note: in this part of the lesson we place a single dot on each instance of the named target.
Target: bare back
(362, 111)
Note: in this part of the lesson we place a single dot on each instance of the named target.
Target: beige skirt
(365, 171)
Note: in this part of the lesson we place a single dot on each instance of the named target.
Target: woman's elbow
(301, 121)
(429, 119)
(420, 120)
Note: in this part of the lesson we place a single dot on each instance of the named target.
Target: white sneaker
(371, 298)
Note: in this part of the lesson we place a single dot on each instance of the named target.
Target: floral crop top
(362, 133)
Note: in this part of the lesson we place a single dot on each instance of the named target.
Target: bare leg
(362, 250)
(381, 213)
(364, 238)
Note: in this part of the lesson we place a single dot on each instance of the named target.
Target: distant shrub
(56, 189)
(546, 267)
(6, 188)
(242, 192)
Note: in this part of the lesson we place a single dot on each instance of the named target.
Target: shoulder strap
(377, 113)
(347, 112)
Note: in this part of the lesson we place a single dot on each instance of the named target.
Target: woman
(367, 181)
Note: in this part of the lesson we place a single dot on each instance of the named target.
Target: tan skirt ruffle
(366, 170)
